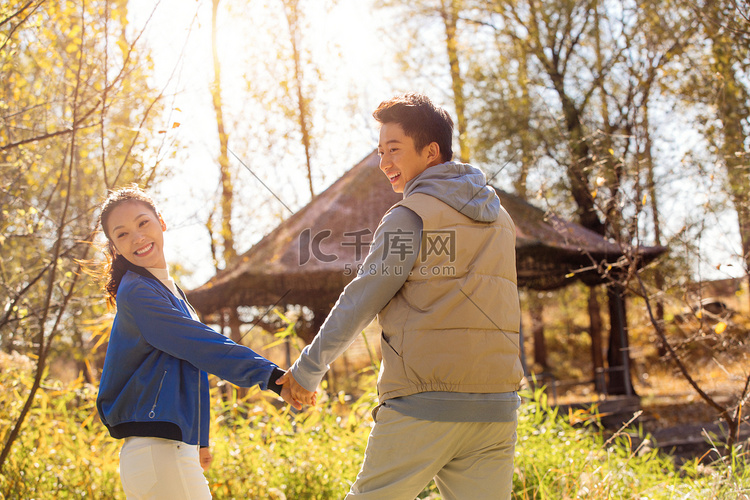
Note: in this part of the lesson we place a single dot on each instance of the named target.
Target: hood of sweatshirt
(459, 185)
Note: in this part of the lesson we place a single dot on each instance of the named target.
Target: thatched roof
(551, 252)
(282, 264)
(283, 267)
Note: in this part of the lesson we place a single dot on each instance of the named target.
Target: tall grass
(262, 450)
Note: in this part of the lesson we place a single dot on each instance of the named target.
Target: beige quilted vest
(454, 324)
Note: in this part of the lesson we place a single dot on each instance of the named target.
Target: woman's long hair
(117, 265)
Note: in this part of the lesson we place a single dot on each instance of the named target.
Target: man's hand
(204, 454)
(293, 393)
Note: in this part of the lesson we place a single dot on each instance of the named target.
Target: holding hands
(293, 393)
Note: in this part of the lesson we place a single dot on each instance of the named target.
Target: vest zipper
(151, 414)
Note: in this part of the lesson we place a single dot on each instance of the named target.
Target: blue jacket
(154, 381)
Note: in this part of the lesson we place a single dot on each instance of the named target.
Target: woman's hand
(205, 458)
(293, 393)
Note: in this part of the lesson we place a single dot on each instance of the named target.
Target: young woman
(154, 386)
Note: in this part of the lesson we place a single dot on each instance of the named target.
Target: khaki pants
(161, 469)
(468, 460)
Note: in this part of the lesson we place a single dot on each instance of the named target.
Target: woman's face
(137, 234)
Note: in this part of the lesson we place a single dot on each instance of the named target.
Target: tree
(73, 105)
(227, 187)
(293, 13)
(431, 24)
(726, 27)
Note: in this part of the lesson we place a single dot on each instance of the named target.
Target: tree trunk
(450, 11)
(227, 187)
(595, 330)
(648, 160)
(291, 8)
(536, 310)
(618, 354)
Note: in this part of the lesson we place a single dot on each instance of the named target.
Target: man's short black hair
(421, 120)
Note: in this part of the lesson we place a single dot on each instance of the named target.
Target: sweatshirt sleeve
(392, 255)
(167, 328)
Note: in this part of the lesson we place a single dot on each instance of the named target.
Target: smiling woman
(154, 390)
(137, 234)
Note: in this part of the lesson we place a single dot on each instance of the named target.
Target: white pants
(468, 460)
(161, 469)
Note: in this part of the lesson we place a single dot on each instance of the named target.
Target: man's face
(399, 159)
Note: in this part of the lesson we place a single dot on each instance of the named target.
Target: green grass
(262, 450)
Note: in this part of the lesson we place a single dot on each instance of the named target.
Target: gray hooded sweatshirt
(393, 252)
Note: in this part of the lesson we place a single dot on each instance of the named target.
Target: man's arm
(393, 251)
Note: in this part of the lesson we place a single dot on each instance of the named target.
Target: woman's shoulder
(133, 286)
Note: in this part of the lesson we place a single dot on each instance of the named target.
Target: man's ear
(433, 154)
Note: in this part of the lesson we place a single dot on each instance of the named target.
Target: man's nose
(385, 161)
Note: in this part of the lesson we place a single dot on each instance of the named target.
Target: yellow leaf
(645, 198)
(274, 343)
(611, 151)
(123, 45)
(699, 314)
(175, 124)
(720, 327)
(593, 193)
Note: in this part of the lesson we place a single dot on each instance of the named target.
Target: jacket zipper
(200, 409)
(151, 414)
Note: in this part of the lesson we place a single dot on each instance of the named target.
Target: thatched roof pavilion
(310, 257)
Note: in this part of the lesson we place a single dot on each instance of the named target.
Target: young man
(441, 278)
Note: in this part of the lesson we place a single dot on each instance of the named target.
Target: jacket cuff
(272, 385)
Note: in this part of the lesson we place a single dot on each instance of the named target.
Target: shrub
(263, 450)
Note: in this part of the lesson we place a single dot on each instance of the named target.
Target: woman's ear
(163, 224)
